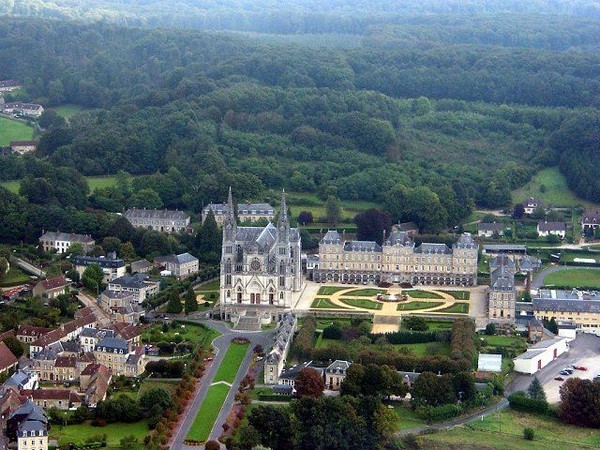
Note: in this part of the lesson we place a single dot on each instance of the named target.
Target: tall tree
(190, 302)
(309, 383)
(371, 224)
(209, 240)
(274, 424)
(536, 390)
(174, 305)
(333, 210)
(92, 277)
(580, 402)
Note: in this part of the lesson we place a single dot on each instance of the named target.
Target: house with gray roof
(546, 228)
(246, 212)
(180, 266)
(112, 267)
(489, 229)
(275, 358)
(162, 220)
(61, 242)
(335, 374)
(139, 285)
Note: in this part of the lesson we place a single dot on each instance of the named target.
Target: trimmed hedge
(438, 413)
(520, 402)
(412, 337)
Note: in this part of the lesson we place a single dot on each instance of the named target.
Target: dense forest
(449, 121)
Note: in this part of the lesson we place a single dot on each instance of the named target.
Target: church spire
(230, 218)
(283, 224)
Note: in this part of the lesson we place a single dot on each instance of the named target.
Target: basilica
(260, 266)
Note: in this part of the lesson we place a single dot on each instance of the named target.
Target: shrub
(520, 402)
(528, 434)
(437, 413)
(333, 331)
(212, 445)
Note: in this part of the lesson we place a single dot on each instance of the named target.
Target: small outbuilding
(540, 355)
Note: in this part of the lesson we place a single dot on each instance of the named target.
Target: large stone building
(162, 220)
(62, 241)
(398, 260)
(580, 307)
(260, 266)
(246, 212)
(180, 266)
(502, 294)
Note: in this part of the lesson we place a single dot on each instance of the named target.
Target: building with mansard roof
(260, 266)
(398, 260)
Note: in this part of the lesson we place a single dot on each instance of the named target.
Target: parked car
(559, 378)
(580, 368)
(564, 372)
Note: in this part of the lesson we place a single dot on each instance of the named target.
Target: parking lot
(583, 351)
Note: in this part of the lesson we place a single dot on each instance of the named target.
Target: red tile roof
(64, 329)
(7, 359)
(126, 330)
(66, 361)
(28, 330)
(53, 394)
(53, 283)
(92, 369)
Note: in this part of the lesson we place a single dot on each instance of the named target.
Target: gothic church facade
(260, 266)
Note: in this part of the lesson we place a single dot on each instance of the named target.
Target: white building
(61, 242)
(531, 204)
(540, 355)
(139, 285)
(546, 228)
(488, 229)
(111, 266)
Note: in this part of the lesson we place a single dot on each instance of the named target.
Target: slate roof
(505, 247)
(112, 343)
(399, 238)
(246, 209)
(338, 366)
(97, 333)
(54, 283)
(135, 213)
(260, 238)
(71, 237)
(292, 372)
(591, 217)
(502, 279)
(331, 237)
(108, 263)
(136, 266)
(66, 361)
(437, 249)
(131, 281)
(466, 241)
(22, 143)
(183, 258)
(532, 202)
(502, 261)
(579, 306)
(71, 346)
(483, 226)
(362, 246)
(552, 226)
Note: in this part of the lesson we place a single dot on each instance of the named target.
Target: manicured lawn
(502, 341)
(14, 130)
(150, 383)
(369, 292)
(427, 348)
(362, 303)
(414, 293)
(208, 412)
(325, 322)
(210, 286)
(231, 363)
(555, 191)
(459, 295)
(410, 306)
(329, 290)
(68, 110)
(304, 201)
(504, 431)
(198, 334)
(434, 325)
(407, 418)
(325, 303)
(574, 278)
(79, 433)
(13, 277)
(457, 308)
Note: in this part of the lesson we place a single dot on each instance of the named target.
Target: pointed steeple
(230, 218)
(283, 224)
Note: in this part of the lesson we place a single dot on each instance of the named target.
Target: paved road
(27, 267)
(538, 281)
(220, 344)
(100, 314)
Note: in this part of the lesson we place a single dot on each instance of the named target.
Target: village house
(488, 230)
(51, 287)
(180, 266)
(65, 368)
(335, 374)
(131, 333)
(7, 360)
(275, 359)
(23, 147)
(246, 212)
(9, 85)
(94, 382)
(89, 337)
(546, 228)
(22, 379)
(65, 332)
(139, 285)
(531, 204)
(112, 267)
(28, 334)
(54, 398)
(162, 220)
(122, 306)
(141, 266)
(120, 357)
(590, 220)
(42, 362)
(85, 360)
(61, 242)
(23, 109)
(502, 293)
(28, 425)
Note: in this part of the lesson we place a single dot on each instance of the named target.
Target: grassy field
(330, 290)
(457, 308)
(14, 276)
(502, 341)
(150, 383)
(427, 348)
(414, 293)
(198, 334)
(231, 363)
(210, 286)
(79, 433)
(325, 303)
(68, 110)
(459, 295)
(208, 412)
(556, 192)
(369, 292)
(14, 130)
(362, 303)
(407, 418)
(93, 182)
(301, 201)
(410, 306)
(504, 431)
(574, 278)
